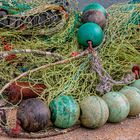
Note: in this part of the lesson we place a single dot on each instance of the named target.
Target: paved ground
(127, 130)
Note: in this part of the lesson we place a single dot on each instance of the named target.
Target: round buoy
(94, 16)
(133, 96)
(33, 115)
(118, 106)
(65, 111)
(90, 32)
(96, 6)
(94, 112)
(136, 84)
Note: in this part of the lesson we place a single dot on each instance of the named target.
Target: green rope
(72, 29)
(76, 76)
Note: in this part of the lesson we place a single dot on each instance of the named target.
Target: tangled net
(40, 56)
(43, 17)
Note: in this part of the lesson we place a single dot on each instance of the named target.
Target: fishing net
(34, 17)
(32, 53)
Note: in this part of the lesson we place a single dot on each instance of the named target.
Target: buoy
(33, 115)
(96, 6)
(118, 106)
(64, 111)
(94, 112)
(136, 84)
(94, 16)
(90, 32)
(18, 91)
(133, 96)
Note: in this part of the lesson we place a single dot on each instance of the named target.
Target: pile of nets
(48, 58)
(48, 52)
(34, 17)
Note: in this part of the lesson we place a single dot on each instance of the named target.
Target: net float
(24, 90)
(119, 106)
(33, 115)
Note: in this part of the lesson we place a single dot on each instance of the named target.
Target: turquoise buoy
(90, 32)
(118, 106)
(65, 111)
(95, 6)
(133, 96)
(136, 84)
(94, 112)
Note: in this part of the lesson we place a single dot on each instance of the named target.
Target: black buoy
(33, 115)
(94, 16)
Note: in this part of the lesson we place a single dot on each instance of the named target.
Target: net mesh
(36, 57)
(34, 17)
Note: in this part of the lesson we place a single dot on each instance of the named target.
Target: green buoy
(95, 6)
(94, 112)
(133, 96)
(90, 32)
(64, 111)
(118, 106)
(136, 84)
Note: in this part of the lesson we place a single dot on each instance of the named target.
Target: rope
(106, 81)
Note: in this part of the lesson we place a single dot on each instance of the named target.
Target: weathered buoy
(133, 88)
(64, 111)
(96, 6)
(90, 32)
(118, 106)
(133, 96)
(23, 90)
(94, 112)
(136, 84)
(33, 115)
(94, 16)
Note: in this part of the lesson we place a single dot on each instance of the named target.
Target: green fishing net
(43, 17)
(38, 45)
(118, 53)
